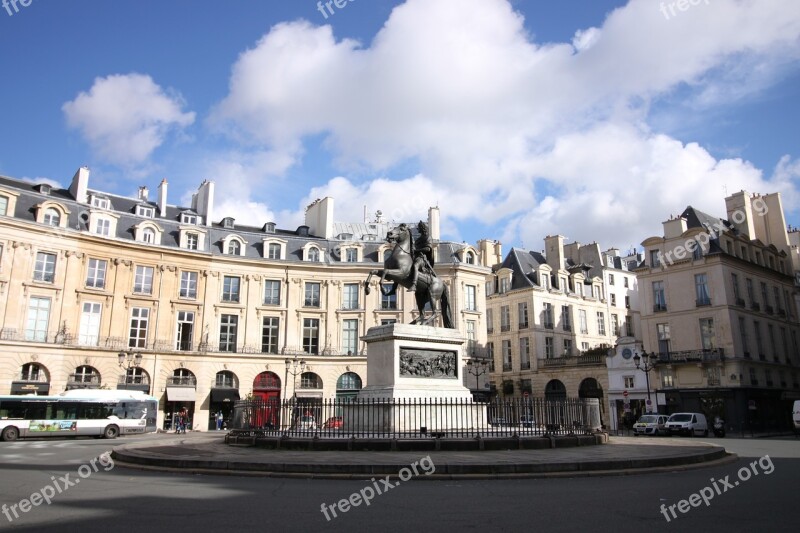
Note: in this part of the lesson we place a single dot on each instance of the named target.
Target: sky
(592, 119)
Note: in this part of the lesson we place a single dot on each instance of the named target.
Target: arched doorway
(267, 389)
(223, 395)
(555, 391)
(347, 386)
(590, 388)
(181, 390)
(555, 395)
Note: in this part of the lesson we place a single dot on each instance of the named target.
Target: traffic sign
(525, 394)
(625, 394)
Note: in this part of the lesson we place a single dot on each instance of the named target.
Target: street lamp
(129, 360)
(649, 364)
(295, 367)
(476, 368)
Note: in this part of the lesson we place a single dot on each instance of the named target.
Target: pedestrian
(220, 420)
(183, 419)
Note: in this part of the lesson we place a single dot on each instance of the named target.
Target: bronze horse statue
(397, 269)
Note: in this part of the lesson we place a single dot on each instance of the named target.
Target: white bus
(78, 413)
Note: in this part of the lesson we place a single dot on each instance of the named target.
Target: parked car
(688, 424)
(651, 425)
(334, 422)
(307, 422)
(501, 422)
(530, 422)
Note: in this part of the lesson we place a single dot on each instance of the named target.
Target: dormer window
(52, 217)
(145, 211)
(351, 255)
(188, 218)
(100, 203)
(269, 227)
(313, 255)
(192, 241)
(470, 258)
(43, 188)
(148, 235)
(103, 227)
(234, 247)
(227, 223)
(3, 205)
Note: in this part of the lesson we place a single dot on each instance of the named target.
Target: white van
(691, 424)
(796, 415)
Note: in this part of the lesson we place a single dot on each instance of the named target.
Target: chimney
(203, 201)
(143, 193)
(162, 198)
(80, 185)
(490, 252)
(433, 223)
(554, 251)
(319, 217)
(674, 227)
(740, 213)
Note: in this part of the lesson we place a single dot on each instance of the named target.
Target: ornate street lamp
(295, 367)
(476, 368)
(128, 360)
(646, 364)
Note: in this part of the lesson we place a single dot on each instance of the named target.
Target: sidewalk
(207, 453)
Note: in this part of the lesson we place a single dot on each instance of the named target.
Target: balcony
(548, 325)
(755, 306)
(566, 327)
(186, 381)
(83, 381)
(781, 312)
(507, 367)
(692, 356)
(523, 325)
(489, 331)
(713, 381)
(572, 361)
(740, 302)
(133, 380)
(525, 365)
(702, 302)
(658, 308)
(769, 309)
(505, 327)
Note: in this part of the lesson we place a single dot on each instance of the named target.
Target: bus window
(12, 409)
(66, 411)
(36, 410)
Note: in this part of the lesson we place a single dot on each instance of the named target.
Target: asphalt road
(91, 497)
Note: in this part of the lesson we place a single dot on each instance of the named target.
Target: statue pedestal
(414, 381)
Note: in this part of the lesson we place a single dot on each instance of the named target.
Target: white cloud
(544, 137)
(124, 118)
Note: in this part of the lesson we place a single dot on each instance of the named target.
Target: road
(103, 497)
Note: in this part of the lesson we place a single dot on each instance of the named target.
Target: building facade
(102, 291)
(719, 308)
(553, 317)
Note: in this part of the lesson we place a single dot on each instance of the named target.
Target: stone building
(719, 308)
(103, 291)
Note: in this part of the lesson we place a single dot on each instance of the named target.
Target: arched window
(310, 380)
(148, 235)
(313, 254)
(348, 381)
(227, 379)
(84, 377)
(234, 247)
(470, 258)
(32, 372)
(52, 217)
(183, 377)
(274, 251)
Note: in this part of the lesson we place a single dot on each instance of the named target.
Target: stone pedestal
(414, 381)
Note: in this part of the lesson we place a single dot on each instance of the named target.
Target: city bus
(78, 413)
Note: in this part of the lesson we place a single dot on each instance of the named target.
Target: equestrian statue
(411, 265)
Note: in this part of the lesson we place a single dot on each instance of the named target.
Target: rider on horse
(423, 255)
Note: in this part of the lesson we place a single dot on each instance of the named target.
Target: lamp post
(476, 368)
(129, 360)
(649, 364)
(294, 367)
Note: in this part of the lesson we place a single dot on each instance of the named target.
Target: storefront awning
(224, 395)
(30, 388)
(180, 394)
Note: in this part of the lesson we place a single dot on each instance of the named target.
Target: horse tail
(447, 316)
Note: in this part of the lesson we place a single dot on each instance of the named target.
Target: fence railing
(414, 418)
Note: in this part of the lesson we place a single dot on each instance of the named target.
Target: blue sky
(595, 119)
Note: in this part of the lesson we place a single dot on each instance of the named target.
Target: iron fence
(414, 417)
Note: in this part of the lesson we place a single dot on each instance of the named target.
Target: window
(313, 254)
(759, 344)
(490, 355)
(629, 326)
(390, 301)
(489, 288)
(662, 332)
(311, 335)
(228, 326)
(655, 258)
(188, 285)
(143, 280)
(185, 330)
(145, 211)
(567, 347)
(735, 283)
(701, 289)
(522, 309)
(566, 322)
(471, 339)
(230, 288)
(351, 255)
(613, 300)
(3, 205)
(505, 318)
(615, 325)
(52, 217)
(547, 315)
(470, 258)
(274, 251)
(101, 203)
(96, 276)
(148, 235)
(45, 267)
(771, 335)
(629, 382)
(659, 298)
(743, 334)
(140, 316)
(583, 321)
(697, 251)
(601, 323)
(753, 378)
(489, 321)
(272, 292)
(234, 247)
(585, 346)
(611, 279)
(525, 353)
(350, 296)
(470, 304)
(579, 289)
(189, 219)
(350, 336)
(545, 280)
(667, 379)
(507, 363)
(765, 297)
(548, 347)
(192, 240)
(785, 344)
(627, 302)
(504, 285)
(269, 334)
(750, 293)
(625, 282)
(90, 324)
(777, 298)
(311, 295)
(310, 380)
(387, 321)
(103, 227)
(707, 333)
(38, 317)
